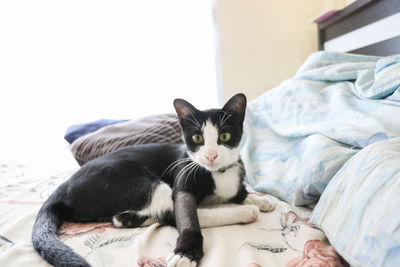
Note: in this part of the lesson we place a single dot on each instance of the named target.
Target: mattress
(283, 237)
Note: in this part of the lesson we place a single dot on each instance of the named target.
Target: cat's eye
(197, 138)
(225, 137)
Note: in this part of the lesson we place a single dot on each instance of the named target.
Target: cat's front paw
(178, 260)
(188, 251)
(248, 213)
(264, 203)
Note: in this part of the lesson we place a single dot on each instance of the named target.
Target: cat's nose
(211, 157)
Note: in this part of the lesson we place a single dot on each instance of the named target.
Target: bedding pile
(300, 134)
(331, 134)
(359, 209)
(101, 137)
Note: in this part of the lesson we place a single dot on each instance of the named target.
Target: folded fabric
(359, 209)
(163, 128)
(298, 135)
(77, 130)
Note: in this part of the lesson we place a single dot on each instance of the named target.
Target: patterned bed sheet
(283, 237)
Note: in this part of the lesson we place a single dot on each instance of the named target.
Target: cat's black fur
(125, 181)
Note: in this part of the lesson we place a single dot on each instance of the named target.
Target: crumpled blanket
(299, 134)
(358, 210)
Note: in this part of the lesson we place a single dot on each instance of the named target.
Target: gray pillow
(162, 128)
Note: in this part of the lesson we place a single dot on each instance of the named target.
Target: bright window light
(67, 62)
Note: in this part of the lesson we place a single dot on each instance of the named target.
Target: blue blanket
(359, 209)
(75, 131)
(298, 135)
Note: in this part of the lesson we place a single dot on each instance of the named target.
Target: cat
(165, 183)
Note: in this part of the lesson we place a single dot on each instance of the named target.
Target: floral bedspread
(283, 237)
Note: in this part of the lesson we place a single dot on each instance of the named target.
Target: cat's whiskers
(181, 172)
(195, 122)
(187, 168)
(225, 119)
(174, 164)
(188, 176)
(197, 168)
(177, 164)
(195, 119)
(193, 167)
(222, 117)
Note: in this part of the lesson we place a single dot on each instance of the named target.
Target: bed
(324, 145)
(278, 237)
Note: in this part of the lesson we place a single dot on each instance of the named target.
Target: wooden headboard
(369, 27)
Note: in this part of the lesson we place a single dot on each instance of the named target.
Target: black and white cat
(164, 183)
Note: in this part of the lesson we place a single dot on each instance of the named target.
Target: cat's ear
(183, 108)
(236, 106)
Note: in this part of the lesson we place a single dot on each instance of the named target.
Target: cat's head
(213, 136)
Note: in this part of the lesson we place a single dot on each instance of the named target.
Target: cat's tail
(46, 242)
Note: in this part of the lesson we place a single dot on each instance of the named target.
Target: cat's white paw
(117, 223)
(176, 260)
(264, 203)
(248, 213)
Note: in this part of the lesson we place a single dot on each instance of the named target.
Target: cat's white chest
(226, 185)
